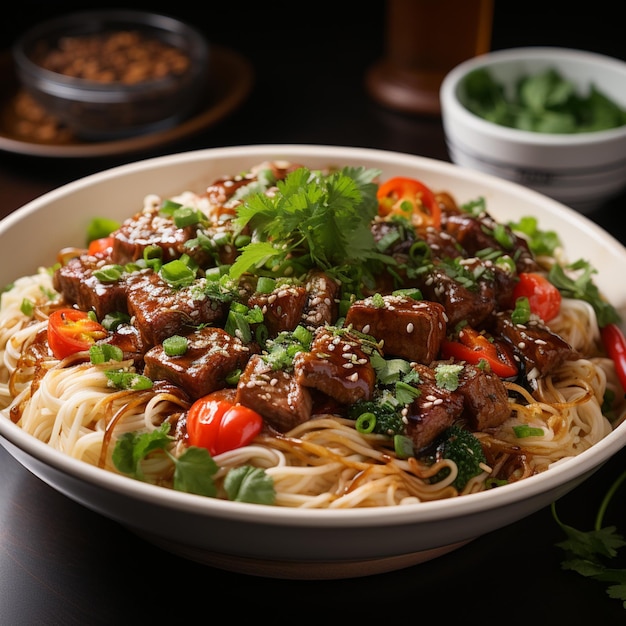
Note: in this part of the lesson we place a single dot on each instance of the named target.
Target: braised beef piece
(128, 339)
(77, 284)
(480, 400)
(212, 354)
(432, 411)
(149, 228)
(408, 328)
(478, 233)
(534, 344)
(321, 303)
(485, 398)
(275, 394)
(461, 303)
(338, 365)
(282, 308)
(159, 311)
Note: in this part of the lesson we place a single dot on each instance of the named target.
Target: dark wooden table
(61, 563)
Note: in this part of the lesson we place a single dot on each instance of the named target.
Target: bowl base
(298, 570)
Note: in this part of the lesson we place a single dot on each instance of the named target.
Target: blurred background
(347, 37)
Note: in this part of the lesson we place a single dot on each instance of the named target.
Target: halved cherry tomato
(473, 347)
(615, 345)
(410, 198)
(71, 331)
(100, 246)
(543, 297)
(220, 426)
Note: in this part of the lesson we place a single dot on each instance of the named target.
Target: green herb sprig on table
(589, 552)
(544, 102)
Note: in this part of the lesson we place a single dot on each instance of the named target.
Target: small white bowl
(581, 170)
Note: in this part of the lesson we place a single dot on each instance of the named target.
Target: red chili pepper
(102, 245)
(410, 198)
(219, 425)
(474, 347)
(543, 297)
(71, 331)
(615, 345)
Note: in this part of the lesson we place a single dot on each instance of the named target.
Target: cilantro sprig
(589, 552)
(313, 220)
(194, 469)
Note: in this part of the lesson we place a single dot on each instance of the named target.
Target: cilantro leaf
(579, 284)
(588, 552)
(194, 472)
(313, 219)
(249, 484)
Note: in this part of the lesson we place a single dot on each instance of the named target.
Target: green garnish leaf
(194, 472)
(250, 484)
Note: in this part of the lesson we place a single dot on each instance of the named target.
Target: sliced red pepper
(474, 347)
(102, 245)
(409, 198)
(615, 345)
(543, 297)
(71, 331)
(219, 426)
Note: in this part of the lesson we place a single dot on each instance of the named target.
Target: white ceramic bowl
(581, 170)
(273, 541)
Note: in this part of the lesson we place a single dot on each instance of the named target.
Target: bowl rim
(587, 461)
(63, 85)
(453, 109)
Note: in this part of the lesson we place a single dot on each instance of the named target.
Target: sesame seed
(354, 377)
(410, 328)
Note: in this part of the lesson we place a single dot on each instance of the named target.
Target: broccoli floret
(386, 419)
(462, 447)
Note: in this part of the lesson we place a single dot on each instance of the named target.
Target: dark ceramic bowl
(111, 74)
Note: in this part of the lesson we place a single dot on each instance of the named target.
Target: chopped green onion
(187, 216)
(177, 273)
(403, 446)
(524, 430)
(109, 273)
(265, 284)
(176, 345)
(104, 352)
(365, 423)
(27, 307)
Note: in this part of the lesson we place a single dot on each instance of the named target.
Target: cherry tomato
(71, 331)
(219, 425)
(615, 345)
(543, 297)
(102, 245)
(473, 347)
(410, 198)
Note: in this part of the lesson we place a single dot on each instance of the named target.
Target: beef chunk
(485, 398)
(321, 303)
(160, 311)
(282, 308)
(534, 344)
(337, 365)
(472, 304)
(478, 233)
(77, 284)
(432, 411)
(275, 394)
(149, 228)
(212, 355)
(408, 328)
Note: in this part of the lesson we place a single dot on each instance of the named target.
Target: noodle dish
(308, 329)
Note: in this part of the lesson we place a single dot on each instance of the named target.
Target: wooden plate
(229, 82)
